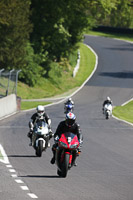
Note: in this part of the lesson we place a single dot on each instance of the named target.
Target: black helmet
(70, 119)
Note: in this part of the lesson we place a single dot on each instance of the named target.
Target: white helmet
(108, 98)
(70, 99)
(40, 110)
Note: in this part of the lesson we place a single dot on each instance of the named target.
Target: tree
(122, 15)
(15, 28)
(58, 25)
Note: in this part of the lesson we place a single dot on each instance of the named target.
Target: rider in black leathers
(68, 125)
(69, 101)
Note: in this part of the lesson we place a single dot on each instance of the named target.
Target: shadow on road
(40, 176)
(23, 156)
(127, 75)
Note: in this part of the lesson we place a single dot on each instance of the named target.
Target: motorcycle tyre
(39, 148)
(107, 116)
(59, 172)
(65, 166)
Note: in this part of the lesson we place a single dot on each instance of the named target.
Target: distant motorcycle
(66, 153)
(40, 137)
(108, 110)
(68, 108)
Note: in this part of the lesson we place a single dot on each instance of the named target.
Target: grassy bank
(124, 112)
(66, 82)
(49, 88)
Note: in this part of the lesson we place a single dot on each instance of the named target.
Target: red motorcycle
(66, 153)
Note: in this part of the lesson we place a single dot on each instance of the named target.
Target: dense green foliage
(115, 13)
(15, 28)
(59, 85)
(39, 36)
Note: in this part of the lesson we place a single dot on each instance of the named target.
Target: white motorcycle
(40, 137)
(108, 110)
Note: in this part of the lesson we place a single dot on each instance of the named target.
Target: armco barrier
(8, 105)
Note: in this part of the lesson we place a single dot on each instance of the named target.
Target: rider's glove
(56, 139)
(51, 134)
(80, 142)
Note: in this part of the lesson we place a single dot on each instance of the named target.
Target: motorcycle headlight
(74, 146)
(63, 144)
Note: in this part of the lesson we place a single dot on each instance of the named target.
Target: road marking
(123, 119)
(24, 188)
(127, 102)
(12, 170)
(9, 166)
(19, 181)
(14, 175)
(4, 157)
(32, 195)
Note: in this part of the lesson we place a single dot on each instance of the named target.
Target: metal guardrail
(8, 82)
(77, 65)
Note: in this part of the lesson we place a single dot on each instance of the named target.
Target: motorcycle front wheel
(107, 115)
(59, 172)
(65, 165)
(39, 148)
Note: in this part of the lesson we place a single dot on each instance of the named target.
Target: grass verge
(87, 63)
(124, 112)
(25, 105)
(67, 82)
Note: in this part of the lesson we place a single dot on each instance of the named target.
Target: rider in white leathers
(107, 101)
(39, 115)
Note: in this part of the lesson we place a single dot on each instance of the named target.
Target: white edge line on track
(127, 102)
(122, 119)
(5, 160)
(64, 98)
(24, 187)
(33, 196)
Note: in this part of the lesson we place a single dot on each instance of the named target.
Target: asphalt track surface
(105, 166)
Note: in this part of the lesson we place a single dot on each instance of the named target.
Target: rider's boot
(53, 159)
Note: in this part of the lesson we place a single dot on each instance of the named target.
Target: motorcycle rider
(108, 100)
(39, 115)
(69, 101)
(68, 125)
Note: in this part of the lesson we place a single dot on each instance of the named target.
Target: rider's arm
(104, 103)
(47, 119)
(32, 121)
(59, 130)
(79, 134)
